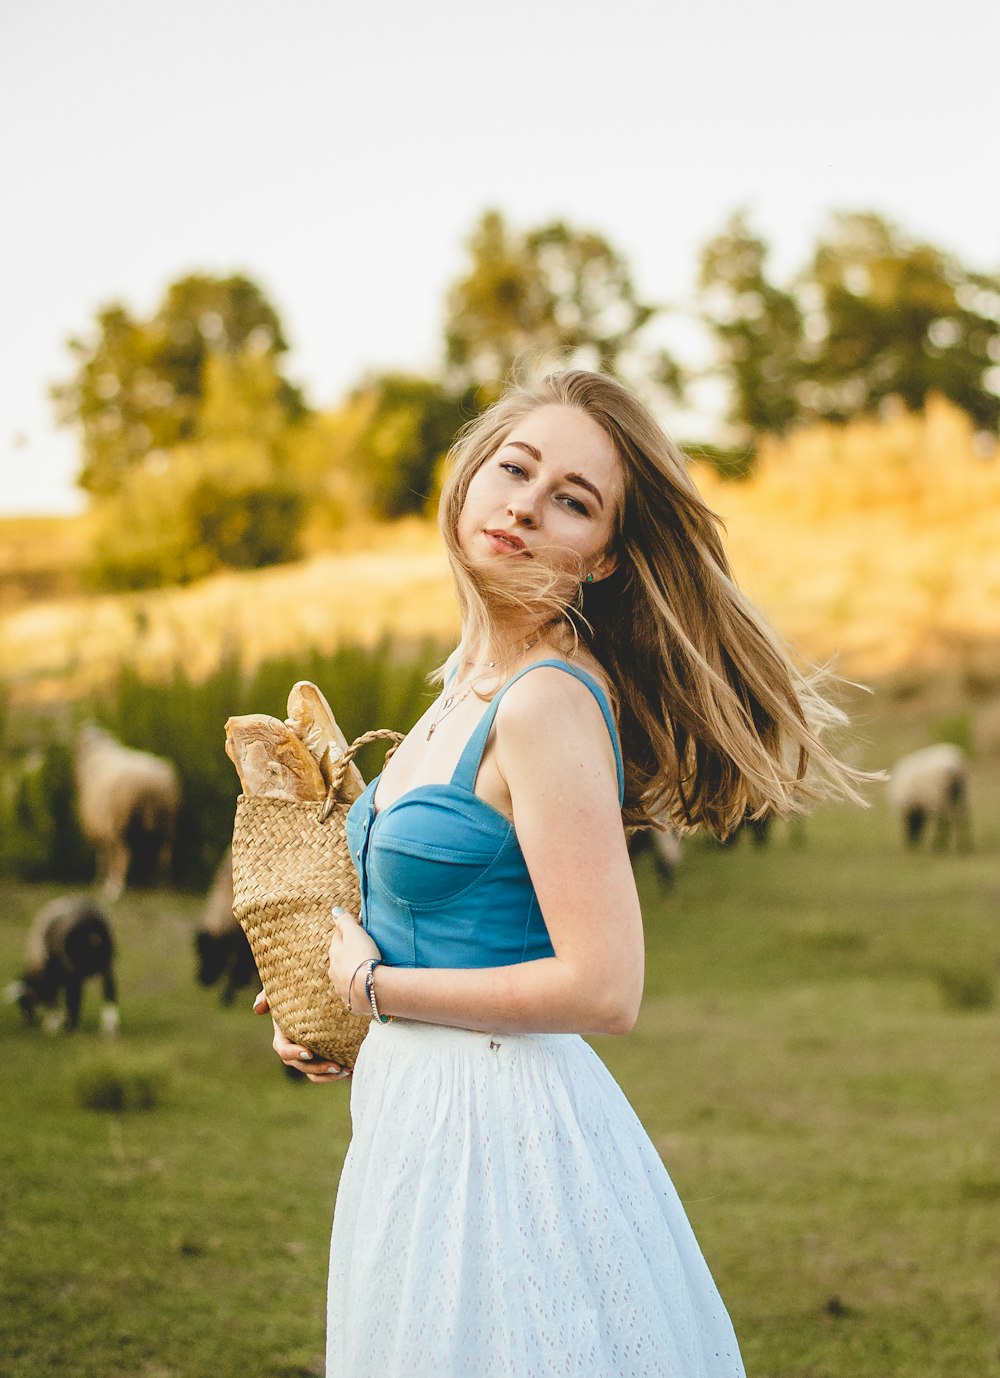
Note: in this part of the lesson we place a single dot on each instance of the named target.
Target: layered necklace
(451, 701)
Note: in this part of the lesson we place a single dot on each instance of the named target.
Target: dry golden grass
(391, 579)
(876, 543)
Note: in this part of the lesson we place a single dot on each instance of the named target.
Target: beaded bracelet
(370, 990)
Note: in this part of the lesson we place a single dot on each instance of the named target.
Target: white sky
(340, 153)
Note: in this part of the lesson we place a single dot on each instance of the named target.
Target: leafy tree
(139, 384)
(757, 328)
(553, 291)
(411, 423)
(219, 505)
(892, 317)
(229, 498)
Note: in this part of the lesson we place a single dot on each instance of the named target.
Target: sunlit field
(876, 543)
(816, 1060)
(378, 580)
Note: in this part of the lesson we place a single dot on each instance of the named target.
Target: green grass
(827, 1114)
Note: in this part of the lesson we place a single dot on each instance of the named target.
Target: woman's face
(551, 491)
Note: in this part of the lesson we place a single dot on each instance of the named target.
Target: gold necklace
(449, 704)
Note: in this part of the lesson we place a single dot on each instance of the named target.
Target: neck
(508, 646)
(497, 650)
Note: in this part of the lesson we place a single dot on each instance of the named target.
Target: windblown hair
(717, 724)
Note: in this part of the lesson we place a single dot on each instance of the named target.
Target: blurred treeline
(182, 718)
(199, 453)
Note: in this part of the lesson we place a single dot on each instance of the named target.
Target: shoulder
(549, 709)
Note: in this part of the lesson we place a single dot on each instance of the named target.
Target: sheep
(220, 943)
(664, 846)
(761, 831)
(931, 785)
(70, 940)
(119, 789)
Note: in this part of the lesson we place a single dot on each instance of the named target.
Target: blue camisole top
(443, 879)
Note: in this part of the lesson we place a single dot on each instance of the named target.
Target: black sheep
(220, 943)
(70, 941)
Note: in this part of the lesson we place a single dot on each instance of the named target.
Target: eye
(575, 505)
(511, 467)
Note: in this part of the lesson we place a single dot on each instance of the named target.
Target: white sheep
(932, 786)
(118, 788)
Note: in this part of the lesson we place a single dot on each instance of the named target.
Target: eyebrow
(570, 478)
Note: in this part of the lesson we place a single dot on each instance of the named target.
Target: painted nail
(305, 1056)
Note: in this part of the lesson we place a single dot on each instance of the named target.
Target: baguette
(271, 760)
(311, 718)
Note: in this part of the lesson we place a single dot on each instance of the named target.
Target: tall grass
(182, 717)
(379, 582)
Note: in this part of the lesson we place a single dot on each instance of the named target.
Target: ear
(606, 565)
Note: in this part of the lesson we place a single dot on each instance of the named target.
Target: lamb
(70, 941)
(220, 943)
(119, 789)
(665, 848)
(931, 786)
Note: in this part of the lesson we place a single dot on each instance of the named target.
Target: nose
(523, 508)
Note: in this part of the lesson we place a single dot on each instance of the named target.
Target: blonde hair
(717, 724)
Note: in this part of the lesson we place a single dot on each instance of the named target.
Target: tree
(230, 497)
(758, 331)
(552, 291)
(139, 384)
(892, 317)
(411, 424)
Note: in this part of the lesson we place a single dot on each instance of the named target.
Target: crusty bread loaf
(311, 718)
(272, 760)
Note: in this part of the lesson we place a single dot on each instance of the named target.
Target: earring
(589, 579)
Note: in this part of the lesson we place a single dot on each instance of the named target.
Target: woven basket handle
(342, 762)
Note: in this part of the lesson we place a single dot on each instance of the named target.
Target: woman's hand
(319, 1070)
(350, 946)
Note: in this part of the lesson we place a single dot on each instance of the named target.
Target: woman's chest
(431, 753)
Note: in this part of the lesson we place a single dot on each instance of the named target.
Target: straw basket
(291, 865)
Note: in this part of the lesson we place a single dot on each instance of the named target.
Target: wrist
(370, 993)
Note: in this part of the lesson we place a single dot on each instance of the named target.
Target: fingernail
(258, 999)
(337, 910)
(305, 1056)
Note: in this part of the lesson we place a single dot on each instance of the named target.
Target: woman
(501, 1210)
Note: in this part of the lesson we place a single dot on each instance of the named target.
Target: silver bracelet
(350, 988)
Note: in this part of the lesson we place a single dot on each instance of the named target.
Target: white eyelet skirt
(503, 1214)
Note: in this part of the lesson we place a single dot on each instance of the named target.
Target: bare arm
(555, 755)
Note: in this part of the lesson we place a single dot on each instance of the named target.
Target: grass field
(816, 1060)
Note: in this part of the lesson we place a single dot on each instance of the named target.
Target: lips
(506, 543)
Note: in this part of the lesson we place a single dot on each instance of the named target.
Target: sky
(340, 155)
